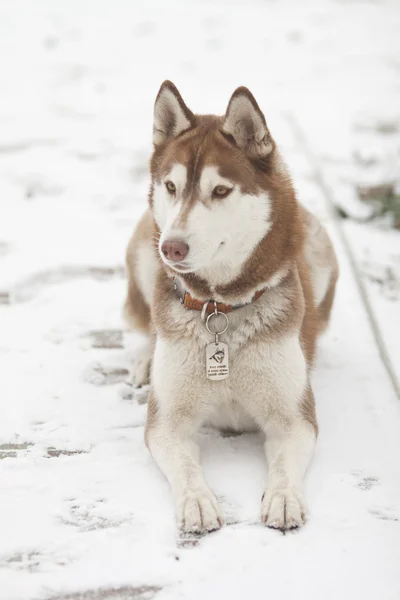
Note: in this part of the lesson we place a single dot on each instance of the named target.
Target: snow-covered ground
(84, 512)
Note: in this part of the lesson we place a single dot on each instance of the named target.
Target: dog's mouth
(178, 267)
(181, 267)
(185, 266)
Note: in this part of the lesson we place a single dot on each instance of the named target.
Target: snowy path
(84, 512)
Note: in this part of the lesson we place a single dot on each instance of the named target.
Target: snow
(84, 512)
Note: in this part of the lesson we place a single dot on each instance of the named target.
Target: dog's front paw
(283, 509)
(198, 511)
(140, 372)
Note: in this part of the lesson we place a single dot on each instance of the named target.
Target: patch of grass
(385, 198)
(391, 205)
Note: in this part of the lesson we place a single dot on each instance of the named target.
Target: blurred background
(78, 81)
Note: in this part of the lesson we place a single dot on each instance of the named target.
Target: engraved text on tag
(217, 361)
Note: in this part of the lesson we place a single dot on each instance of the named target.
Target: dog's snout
(174, 251)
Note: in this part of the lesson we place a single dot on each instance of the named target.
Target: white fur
(146, 269)
(321, 278)
(140, 370)
(166, 207)
(276, 278)
(223, 240)
(196, 506)
(268, 378)
(178, 175)
(221, 233)
(288, 456)
(287, 370)
(209, 179)
(265, 387)
(319, 255)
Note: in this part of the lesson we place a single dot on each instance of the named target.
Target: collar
(209, 306)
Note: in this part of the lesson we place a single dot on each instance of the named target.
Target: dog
(232, 281)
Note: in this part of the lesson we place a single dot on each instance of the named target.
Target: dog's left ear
(171, 115)
(245, 122)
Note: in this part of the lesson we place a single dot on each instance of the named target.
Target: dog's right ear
(245, 122)
(171, 115)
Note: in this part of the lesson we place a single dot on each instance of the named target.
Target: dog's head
(212, 178)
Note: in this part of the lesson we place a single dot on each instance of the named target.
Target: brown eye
(170, 187)
(220, 191)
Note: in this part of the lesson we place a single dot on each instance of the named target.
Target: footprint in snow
(385, 514)
(89, 516)
(365, 482)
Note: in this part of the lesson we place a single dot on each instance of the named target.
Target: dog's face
(208, 197)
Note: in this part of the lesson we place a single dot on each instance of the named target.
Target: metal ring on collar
(215, 314)
(204, 310)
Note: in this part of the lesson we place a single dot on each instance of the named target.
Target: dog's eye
(170, 187)
(220, 191)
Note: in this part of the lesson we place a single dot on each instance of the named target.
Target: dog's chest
(226, 413)
(236, 329)
(237, 356)
(252, 341)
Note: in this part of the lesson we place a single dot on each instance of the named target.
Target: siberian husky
(232, 281)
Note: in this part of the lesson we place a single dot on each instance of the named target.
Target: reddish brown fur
(206, 144)
(137, 308)
(291, 264)
(325, 307)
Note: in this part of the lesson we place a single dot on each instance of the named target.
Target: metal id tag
(217, 361)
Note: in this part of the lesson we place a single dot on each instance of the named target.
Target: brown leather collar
(192, 303)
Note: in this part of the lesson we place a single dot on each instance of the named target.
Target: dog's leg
(140, 370)
(141, 268)
(168, 437)
(289, 447)
(283, 405)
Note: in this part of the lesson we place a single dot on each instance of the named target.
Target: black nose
(174, 251)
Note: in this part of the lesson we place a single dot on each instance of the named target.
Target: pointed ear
(245, 122)
(171, 115)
